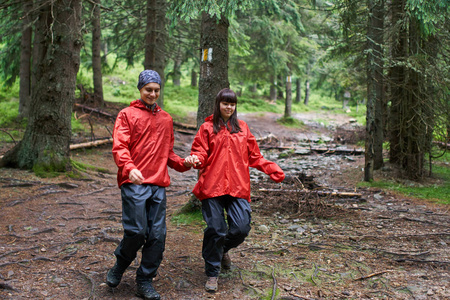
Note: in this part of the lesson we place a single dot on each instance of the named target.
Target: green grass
(437, 192)
(85, 167)
(188, 218)
(290, 122)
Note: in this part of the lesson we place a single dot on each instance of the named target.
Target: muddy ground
(57, 235)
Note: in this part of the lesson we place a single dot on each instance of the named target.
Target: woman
(226, 149)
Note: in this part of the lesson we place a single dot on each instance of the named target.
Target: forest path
(57, 235)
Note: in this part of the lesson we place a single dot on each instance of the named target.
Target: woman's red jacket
(225, 160)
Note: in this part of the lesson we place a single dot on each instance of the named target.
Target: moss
(290, 122)
(51, 167)
(86, 167)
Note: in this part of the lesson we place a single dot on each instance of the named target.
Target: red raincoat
(143, 140)
(225, 160)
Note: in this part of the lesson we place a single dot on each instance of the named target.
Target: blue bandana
(148, 76)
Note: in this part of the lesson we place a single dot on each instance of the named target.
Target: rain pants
(143, 140)
(224, 185)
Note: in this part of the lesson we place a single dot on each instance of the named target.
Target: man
(142, 149)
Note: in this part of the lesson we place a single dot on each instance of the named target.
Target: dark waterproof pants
(144, 225)
(218, 236)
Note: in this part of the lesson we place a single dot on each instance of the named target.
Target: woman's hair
(225, 95)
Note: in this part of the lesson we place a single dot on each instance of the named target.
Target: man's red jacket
(143, 139)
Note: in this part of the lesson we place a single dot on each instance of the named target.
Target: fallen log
(183, 125)
(96, 110)
(91, 144)
(320, 150)
(320, 193)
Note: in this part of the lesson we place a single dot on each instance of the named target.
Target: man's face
(150, 92)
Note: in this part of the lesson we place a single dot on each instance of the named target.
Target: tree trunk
(213, 63)
(298, 96)
(176, 73)
(193, 78)
(397, 78)
(378, 84)
(155, 41)
(416, 112)
(96, 56)
(25, 61)
(374, 114)
(280, 87)
(45, 145)
(273, 89)
(288, 106)
(306, 92)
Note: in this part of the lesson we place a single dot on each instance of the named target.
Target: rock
(294, 227)
(263, 228)
(378, 197)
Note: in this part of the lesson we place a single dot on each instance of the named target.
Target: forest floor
(57, 235)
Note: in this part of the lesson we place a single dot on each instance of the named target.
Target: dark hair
(225, 95)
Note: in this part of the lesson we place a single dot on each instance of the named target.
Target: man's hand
(136, 176)
(191, 160)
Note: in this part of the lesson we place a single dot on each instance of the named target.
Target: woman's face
(227, 109)
(150, 92)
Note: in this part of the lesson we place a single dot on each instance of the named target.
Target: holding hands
(192, 161)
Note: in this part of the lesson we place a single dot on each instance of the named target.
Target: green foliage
(77, 126)
(9, 93)
(255, 103)
(10, 24)
(9, 112)
(180, 100)
(429, 13)
(186, 10)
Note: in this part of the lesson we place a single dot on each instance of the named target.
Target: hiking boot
(226, 261)
(147, 291)
(114, 275)
(211, 284)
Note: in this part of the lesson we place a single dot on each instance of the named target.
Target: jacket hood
(209, 118)
(139, 104)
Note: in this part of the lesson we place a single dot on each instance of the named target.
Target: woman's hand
(136, 176)
(191, 161)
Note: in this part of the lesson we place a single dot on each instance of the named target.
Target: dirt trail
(57, 235)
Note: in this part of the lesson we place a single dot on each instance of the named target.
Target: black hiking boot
(114, 275)
(147, 291)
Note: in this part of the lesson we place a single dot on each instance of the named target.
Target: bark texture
(213, 63)
(375, 97)
(96, 55)
(25, 60)
(288, 104)
(45, 145)
(155, 41)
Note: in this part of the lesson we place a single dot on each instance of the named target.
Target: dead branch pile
(297, 199)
